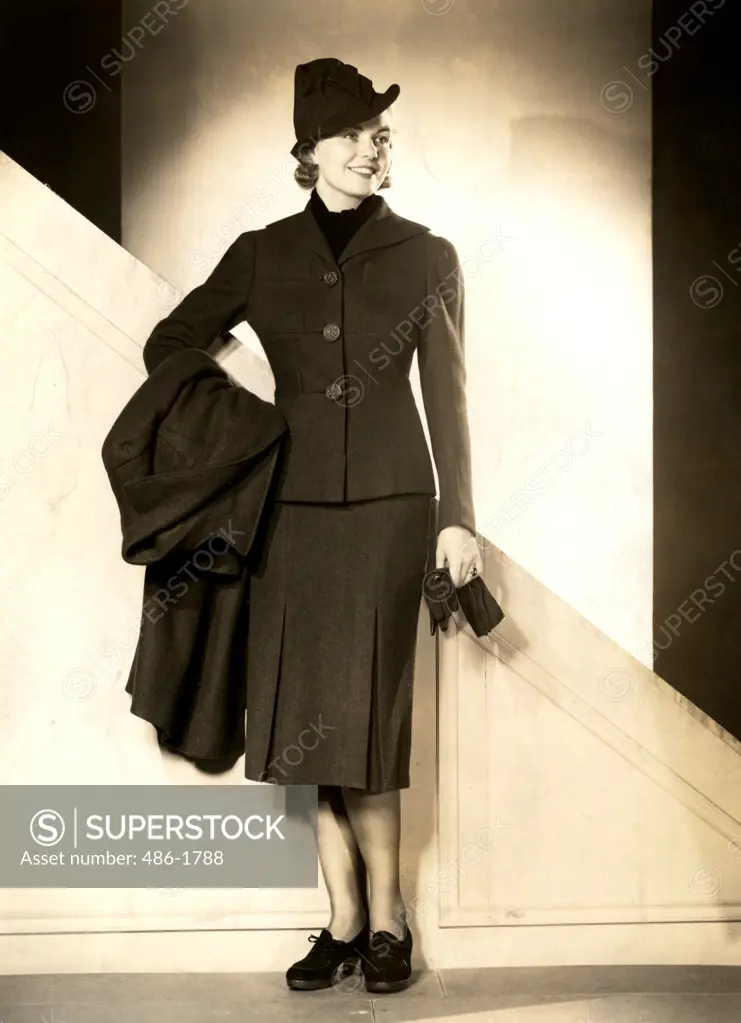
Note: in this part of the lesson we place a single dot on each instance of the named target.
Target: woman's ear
(306, 154)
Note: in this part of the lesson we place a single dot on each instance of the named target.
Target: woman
(341, 296)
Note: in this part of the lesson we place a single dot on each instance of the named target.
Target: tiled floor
(549, 995)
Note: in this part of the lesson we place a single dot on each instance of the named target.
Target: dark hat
(329, 95)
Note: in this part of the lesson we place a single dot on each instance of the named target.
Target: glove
(481, 609)
(440, 596)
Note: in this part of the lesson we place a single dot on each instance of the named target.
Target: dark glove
(481, 609)
(440, 596)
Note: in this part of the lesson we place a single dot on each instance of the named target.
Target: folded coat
(192, 460)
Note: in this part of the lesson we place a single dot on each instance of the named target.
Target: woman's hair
(306, 173)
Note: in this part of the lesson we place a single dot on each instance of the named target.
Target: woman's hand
(458, 551)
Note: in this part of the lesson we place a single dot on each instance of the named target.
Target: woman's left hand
(458, 551)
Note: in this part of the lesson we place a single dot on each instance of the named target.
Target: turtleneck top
(339, 227)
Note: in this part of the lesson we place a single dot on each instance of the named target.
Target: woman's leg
(341, 863)
(375, 819)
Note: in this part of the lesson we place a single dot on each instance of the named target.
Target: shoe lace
(379, 945)
(383, 943)
(323, 947)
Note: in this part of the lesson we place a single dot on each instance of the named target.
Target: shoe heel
(385, 986)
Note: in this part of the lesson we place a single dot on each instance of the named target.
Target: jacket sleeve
(442, 372)
(209, 310)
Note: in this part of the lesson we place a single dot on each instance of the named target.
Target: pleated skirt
(334, 607)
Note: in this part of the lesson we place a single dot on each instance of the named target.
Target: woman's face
(344, 160)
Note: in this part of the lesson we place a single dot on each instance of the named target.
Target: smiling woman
(337, 583)
(342, 155)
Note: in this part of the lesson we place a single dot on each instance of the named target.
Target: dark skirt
(333, 614)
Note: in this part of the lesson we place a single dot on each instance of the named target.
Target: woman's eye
(384, 140)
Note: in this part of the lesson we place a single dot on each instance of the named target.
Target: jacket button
(333, 391)
(331, 332)
(331, 277)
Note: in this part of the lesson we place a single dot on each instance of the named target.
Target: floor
(584, 994)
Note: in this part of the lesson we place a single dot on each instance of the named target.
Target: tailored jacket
(192, 461)
(340, 336)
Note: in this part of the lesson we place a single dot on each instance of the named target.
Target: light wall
(508, 128)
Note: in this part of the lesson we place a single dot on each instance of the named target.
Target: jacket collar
(382, 228)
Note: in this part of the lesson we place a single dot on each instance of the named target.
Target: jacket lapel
(381, 229)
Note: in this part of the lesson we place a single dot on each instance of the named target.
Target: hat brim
(382, 101)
